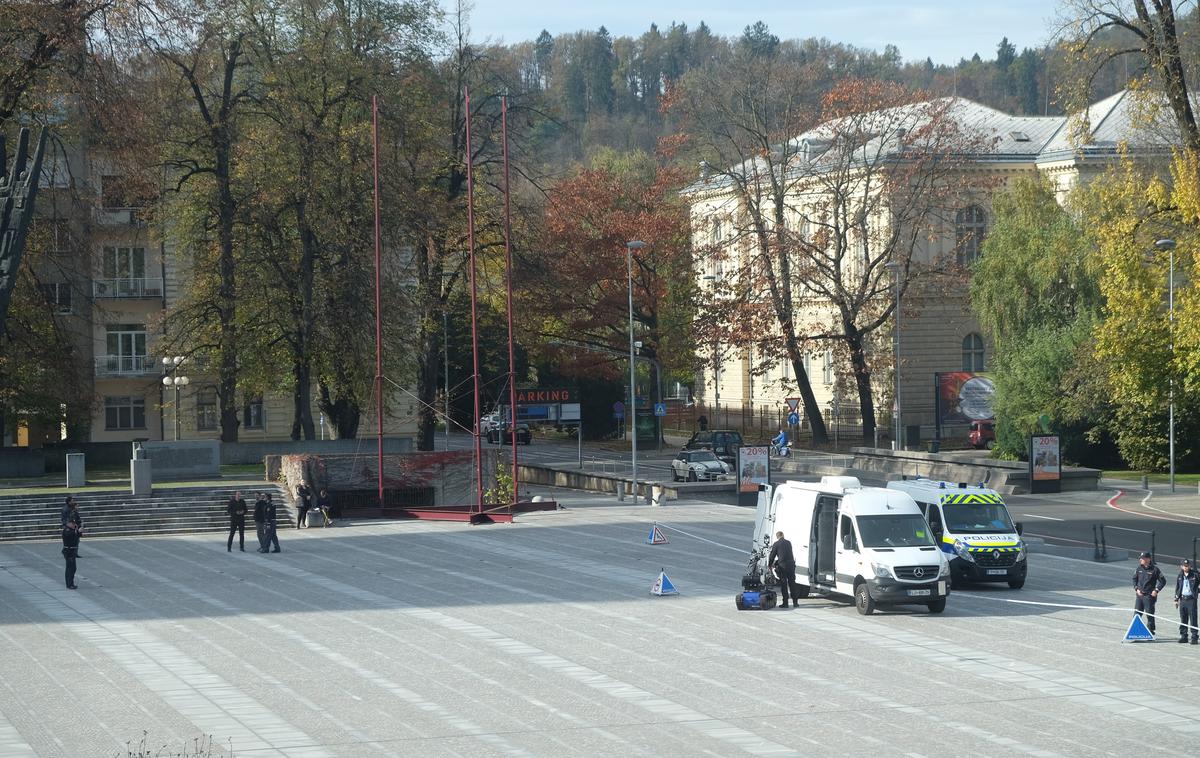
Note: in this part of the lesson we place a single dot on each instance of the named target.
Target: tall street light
(174, 379)
(1169, 246)
(630, 246)
(896, 268)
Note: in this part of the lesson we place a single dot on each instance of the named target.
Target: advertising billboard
(961, 397)
(1045, 463)
(753, 468)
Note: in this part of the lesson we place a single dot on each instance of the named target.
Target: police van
(870, 544)
(973, 528)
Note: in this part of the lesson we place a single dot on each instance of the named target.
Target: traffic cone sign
(1138, 631)
(656, 537)
(663, 585)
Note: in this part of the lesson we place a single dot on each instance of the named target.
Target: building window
(253, 415)
(58, 295)
(972, 353)
(827, 366)
(207, 415)
(126, 347)
(124, 413)
(970, 227)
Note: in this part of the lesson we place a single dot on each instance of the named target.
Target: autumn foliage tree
(577, 290)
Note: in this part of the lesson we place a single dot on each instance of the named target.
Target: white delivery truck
(867, 543)
(973, 528)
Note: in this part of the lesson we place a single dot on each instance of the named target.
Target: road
(1066, 518)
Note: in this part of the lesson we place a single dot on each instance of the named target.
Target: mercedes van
(869, 544)
(973, 528)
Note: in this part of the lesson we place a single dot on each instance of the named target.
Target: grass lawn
(1136, 476)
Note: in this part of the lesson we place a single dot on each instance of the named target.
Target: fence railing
(126, 288)
(126, 365)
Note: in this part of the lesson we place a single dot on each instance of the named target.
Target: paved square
(541, 638)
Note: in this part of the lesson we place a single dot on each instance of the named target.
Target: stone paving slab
(540, 638)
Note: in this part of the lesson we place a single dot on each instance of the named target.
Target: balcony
(127, 365)
(126, 288)
(119, 216)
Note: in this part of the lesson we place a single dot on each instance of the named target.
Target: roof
(1112, 122)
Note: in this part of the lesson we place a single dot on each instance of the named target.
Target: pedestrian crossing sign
(656, 537)
(1138, 632)
(663, 585)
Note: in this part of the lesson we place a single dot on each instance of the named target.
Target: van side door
(849, 559)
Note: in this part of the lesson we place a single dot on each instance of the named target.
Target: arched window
(972, 353)
(207, 415)
(970, 227)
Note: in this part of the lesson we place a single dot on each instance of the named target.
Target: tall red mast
(512, 374)
(378, 298)
(474, 295)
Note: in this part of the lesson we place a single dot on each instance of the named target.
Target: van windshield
(977, 518)
(904, 530)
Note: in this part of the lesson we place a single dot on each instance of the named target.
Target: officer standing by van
(784, 563)
(1148, 580)
(1185, 600)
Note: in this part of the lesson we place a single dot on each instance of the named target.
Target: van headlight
(960, 548)
(944, 570)
(881, 570)
(1021, 550)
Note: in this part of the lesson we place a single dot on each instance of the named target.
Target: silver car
(698, 466)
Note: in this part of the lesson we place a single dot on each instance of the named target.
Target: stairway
(177, 510)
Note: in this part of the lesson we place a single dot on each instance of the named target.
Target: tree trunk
(226, 294)
(302, 421)
(306, 325)
(428, 361)
(812, 411)
(862, 382)
(345, 413)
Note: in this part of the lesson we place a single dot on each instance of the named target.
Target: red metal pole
(474, 325)
(512, 374)
(378, 298)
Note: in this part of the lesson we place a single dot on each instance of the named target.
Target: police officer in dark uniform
(272, 533)
(784, 563)
(70, 538)
(237, 521)
(1147, 582)
(70, 514)
(1187, 585)
(260, 521)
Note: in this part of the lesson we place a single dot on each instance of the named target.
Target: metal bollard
(1145, 482)
(621, 491)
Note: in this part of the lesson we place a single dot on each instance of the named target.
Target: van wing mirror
(1020, 528)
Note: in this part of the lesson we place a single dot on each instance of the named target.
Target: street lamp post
(630, 246)
(174, 379)
(895, 268)
(1169, 246)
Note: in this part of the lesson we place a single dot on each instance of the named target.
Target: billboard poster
(962, 397)
(753, 468)
(1045, 463)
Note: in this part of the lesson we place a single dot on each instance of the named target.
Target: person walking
(1187, 585)
(260, 521)
(272, 532)
(783, 562)
(70, 538)
(70, 514)
(237, 521)
(324, 504)
(1148, 580)
(304, 502)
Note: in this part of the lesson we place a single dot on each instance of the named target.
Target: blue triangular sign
(656, 537)
(663, 585)
(1137, 631)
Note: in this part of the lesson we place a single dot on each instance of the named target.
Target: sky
(945, 30)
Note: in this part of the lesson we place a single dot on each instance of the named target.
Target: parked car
(698, 466)
(489, 422)
(723, 442)
(982, 435)
(524, 435)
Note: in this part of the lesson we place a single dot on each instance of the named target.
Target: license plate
(997, 572)
(918, 593)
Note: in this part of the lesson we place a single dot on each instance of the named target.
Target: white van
(973, 527)
(867, 543)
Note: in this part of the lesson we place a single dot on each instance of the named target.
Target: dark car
(723, 442)
(982, 435)
(524, 435)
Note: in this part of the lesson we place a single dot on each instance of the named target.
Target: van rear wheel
(937, 606)
(863, 600)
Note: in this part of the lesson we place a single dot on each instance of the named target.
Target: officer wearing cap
(1185, 600)
(1147, 582)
